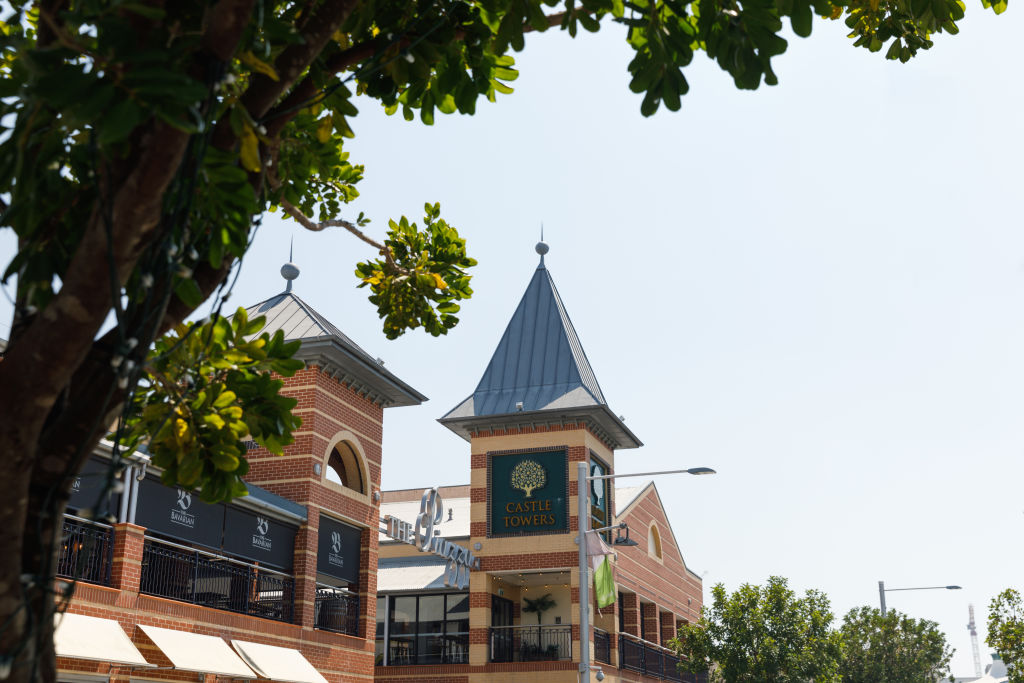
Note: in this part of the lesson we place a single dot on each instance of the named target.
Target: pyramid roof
(539, 371)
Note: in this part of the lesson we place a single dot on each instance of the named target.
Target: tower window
(343, 467)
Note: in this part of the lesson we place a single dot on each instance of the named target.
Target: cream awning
(82, 637)
(278, 663)
(199, 653)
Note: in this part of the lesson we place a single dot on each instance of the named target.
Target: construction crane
(974, 643)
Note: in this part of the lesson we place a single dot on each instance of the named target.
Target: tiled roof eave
(351, 369)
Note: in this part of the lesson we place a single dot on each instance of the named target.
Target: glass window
(427, 629)
(599, 497)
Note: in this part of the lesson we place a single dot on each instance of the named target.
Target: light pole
(882, 591)
(583, 512)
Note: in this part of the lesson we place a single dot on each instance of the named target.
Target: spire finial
(290, 271)
(542, 246)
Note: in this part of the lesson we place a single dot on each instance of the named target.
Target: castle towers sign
(527, 493)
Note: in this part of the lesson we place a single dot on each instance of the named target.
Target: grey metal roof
(539, 363)
(260, 498)
(325, 345)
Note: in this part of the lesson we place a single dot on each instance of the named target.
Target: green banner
(528, 493)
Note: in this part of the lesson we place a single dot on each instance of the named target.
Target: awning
(278, 663)
(416, 573)
(196, 652)
(82, 637)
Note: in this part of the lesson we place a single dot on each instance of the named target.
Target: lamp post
(583, 512)
(882, 591)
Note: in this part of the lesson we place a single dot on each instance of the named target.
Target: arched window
(654, 542)
(343, 467)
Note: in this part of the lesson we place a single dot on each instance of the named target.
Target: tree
(762, 635)
(1006, 632)
(892, 648)
(142, 141)
(528, 476)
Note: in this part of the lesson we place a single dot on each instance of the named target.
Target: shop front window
(427, 629)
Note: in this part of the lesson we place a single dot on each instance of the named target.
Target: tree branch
(309, 224)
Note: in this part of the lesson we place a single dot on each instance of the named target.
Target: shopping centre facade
(319, 575)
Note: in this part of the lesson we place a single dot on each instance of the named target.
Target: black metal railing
(337, 610)
(602, 646)
(652, 660)
(181, 573)
(531, 643)
(86, 551)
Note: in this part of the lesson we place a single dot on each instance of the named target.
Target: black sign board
(179, 513)
(338, 550)
(258, 538)
(86, 487)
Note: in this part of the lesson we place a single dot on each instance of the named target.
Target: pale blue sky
(815, 289)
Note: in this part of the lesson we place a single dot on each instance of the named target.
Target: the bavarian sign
(527, 493)
(421, 534)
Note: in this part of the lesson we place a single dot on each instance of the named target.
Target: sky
(815, 289)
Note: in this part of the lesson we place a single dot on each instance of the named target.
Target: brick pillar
(630, 614)
(668, 627)
(126, 568)
(651, 628)
(368, 584)
(305, 572)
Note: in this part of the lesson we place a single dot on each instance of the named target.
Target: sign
(527, 493)
(179, 514)
(87, 487)
(258, 538)
(421, 534)
(337, 552)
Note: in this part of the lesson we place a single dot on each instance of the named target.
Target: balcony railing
(531, 643)
(337, 610)
(86, 551)
(652, 660)
(177, 572)
(602, 646)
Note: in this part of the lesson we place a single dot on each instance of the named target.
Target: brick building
(298, 581)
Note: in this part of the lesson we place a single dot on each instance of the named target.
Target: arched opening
(344, 467)
(654, 542)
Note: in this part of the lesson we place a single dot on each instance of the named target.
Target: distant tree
(763, 635)
(894, 648)
(539, 605)
(1006, 632)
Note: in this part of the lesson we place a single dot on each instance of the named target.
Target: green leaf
(118, 123)
(226, 398)
(188, 291)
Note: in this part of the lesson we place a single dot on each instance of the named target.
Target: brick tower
(536, 413)
(334, 470)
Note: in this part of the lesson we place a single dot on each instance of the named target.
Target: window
(599, 516)
(344, 467)
(654, 542)
(427, 629)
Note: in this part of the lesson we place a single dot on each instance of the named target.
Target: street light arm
(692, 470)
(924, 588)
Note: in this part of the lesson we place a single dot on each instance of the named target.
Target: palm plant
(539, 605)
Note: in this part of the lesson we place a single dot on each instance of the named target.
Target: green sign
(528, 493)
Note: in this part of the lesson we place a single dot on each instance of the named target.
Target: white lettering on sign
(422, 535)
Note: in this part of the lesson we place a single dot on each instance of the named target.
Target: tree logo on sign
(528, 476)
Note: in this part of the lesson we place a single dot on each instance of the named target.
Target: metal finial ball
(289, 271)
(542, 248)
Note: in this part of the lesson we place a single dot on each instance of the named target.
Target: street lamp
(583, 511)
(882, 591)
